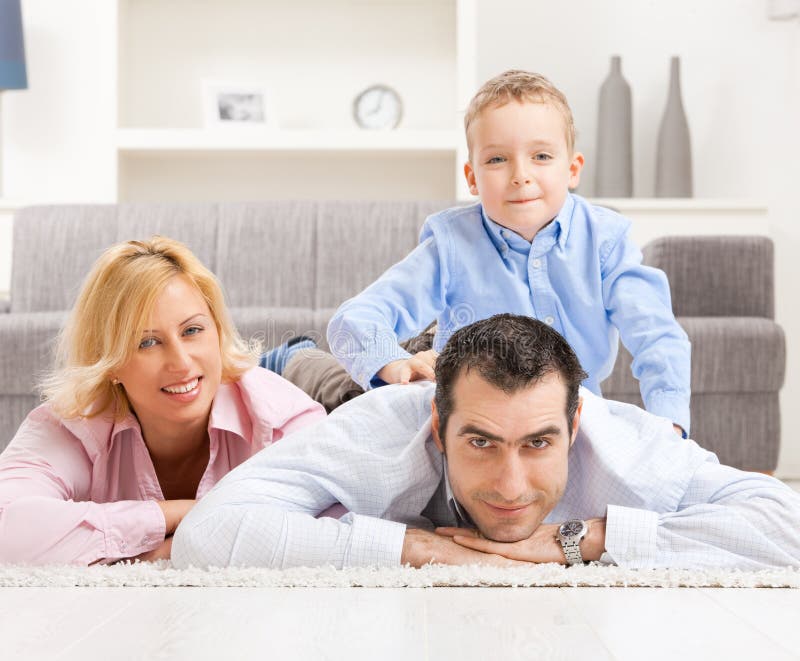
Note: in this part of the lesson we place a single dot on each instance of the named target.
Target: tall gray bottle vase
(674, 152)
(614, 160)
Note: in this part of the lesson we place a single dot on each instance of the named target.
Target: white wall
(58, 133)
(741, 90)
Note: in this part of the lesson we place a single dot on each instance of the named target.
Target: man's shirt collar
(461, 515)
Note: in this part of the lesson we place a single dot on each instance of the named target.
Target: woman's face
(174, 373)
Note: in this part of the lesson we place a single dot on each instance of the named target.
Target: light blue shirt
(667, 501)
(582, 275)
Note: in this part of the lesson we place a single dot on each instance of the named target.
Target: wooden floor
(363, 623)
(366, 623)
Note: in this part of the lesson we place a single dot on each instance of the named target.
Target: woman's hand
(162, 552)
(174, 511)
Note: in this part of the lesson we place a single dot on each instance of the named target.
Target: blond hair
(520, 86)
(105, 326)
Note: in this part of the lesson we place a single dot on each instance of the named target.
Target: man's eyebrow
(183, 323)
(550, 430)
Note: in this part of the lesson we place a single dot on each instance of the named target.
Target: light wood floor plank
(670, 624)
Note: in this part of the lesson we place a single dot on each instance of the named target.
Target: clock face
(378, 107)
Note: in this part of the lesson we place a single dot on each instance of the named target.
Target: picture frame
(227, 104)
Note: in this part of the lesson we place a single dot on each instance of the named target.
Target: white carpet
(161, 574)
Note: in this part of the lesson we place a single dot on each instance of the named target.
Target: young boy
(528, 247)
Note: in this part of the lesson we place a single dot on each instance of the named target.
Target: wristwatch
(570, 534)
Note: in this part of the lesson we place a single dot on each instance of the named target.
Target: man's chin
(507, 533)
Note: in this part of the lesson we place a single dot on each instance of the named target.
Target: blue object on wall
(13, 75)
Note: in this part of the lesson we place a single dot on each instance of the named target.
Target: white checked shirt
(668, 502)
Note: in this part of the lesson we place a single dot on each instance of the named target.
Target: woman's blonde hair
(518, 85)
(105, 326)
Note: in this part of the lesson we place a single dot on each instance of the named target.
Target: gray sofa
(287, 265)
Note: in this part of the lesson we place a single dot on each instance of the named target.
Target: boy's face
(521, 166)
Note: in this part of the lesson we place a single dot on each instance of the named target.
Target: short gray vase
(674, 152)
(614, 159)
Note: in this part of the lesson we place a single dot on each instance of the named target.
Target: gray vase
(614, 159)
(674, 152)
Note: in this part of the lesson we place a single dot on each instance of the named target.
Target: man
(509, 460)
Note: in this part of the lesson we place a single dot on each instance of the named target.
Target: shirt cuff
(132, 527)
(631, 536)
(670, 405)
(374, 542)
(366, 366)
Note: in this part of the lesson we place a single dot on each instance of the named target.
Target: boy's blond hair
(519, 85)
(105, 326)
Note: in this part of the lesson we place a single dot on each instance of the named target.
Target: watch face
(378, 107)
(571, 528)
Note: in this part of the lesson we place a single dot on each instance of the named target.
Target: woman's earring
(115, 382)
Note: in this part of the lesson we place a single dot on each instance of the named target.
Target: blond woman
(153, 399)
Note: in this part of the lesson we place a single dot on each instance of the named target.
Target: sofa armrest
(715, 276)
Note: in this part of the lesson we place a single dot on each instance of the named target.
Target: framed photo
(232, 104)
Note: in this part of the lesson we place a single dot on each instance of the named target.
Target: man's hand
(422, 547)
(174, 511)
(678, 429)
(418, 367)
(541, 546)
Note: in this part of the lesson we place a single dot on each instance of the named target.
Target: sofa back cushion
(282, 254)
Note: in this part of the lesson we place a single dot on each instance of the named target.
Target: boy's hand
(418, 367)
(678, 430)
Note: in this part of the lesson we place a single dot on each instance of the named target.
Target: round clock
(378, 107)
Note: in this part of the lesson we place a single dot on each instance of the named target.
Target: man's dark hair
(510, 352)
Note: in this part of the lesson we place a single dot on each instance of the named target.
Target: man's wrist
(593, 545)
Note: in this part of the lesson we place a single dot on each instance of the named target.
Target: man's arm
(727, 519)
(370, 455)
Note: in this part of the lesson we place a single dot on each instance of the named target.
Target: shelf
(246, 139)
(683, 204)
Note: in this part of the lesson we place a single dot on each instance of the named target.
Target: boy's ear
(469, 174)
(435, 427)
(575, 167)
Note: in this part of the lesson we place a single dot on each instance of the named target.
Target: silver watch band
(572, 551)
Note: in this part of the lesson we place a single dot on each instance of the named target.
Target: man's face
(521, 165)
(507, 453)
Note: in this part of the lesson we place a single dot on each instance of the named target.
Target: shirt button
(537, 263)
(549, 320)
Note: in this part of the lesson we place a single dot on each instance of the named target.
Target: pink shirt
(83, 490)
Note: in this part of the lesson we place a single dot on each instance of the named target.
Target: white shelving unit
(400, 140)
(313, 57)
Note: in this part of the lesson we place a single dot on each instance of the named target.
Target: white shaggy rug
(162, 574)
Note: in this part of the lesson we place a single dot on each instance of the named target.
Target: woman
(154, 398)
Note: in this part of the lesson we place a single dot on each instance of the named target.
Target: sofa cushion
(265, 255)
(54, 247)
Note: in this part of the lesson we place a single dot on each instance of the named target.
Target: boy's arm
(364, 332)
(637, 300)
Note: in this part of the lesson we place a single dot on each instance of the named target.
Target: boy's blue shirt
(582, 275)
